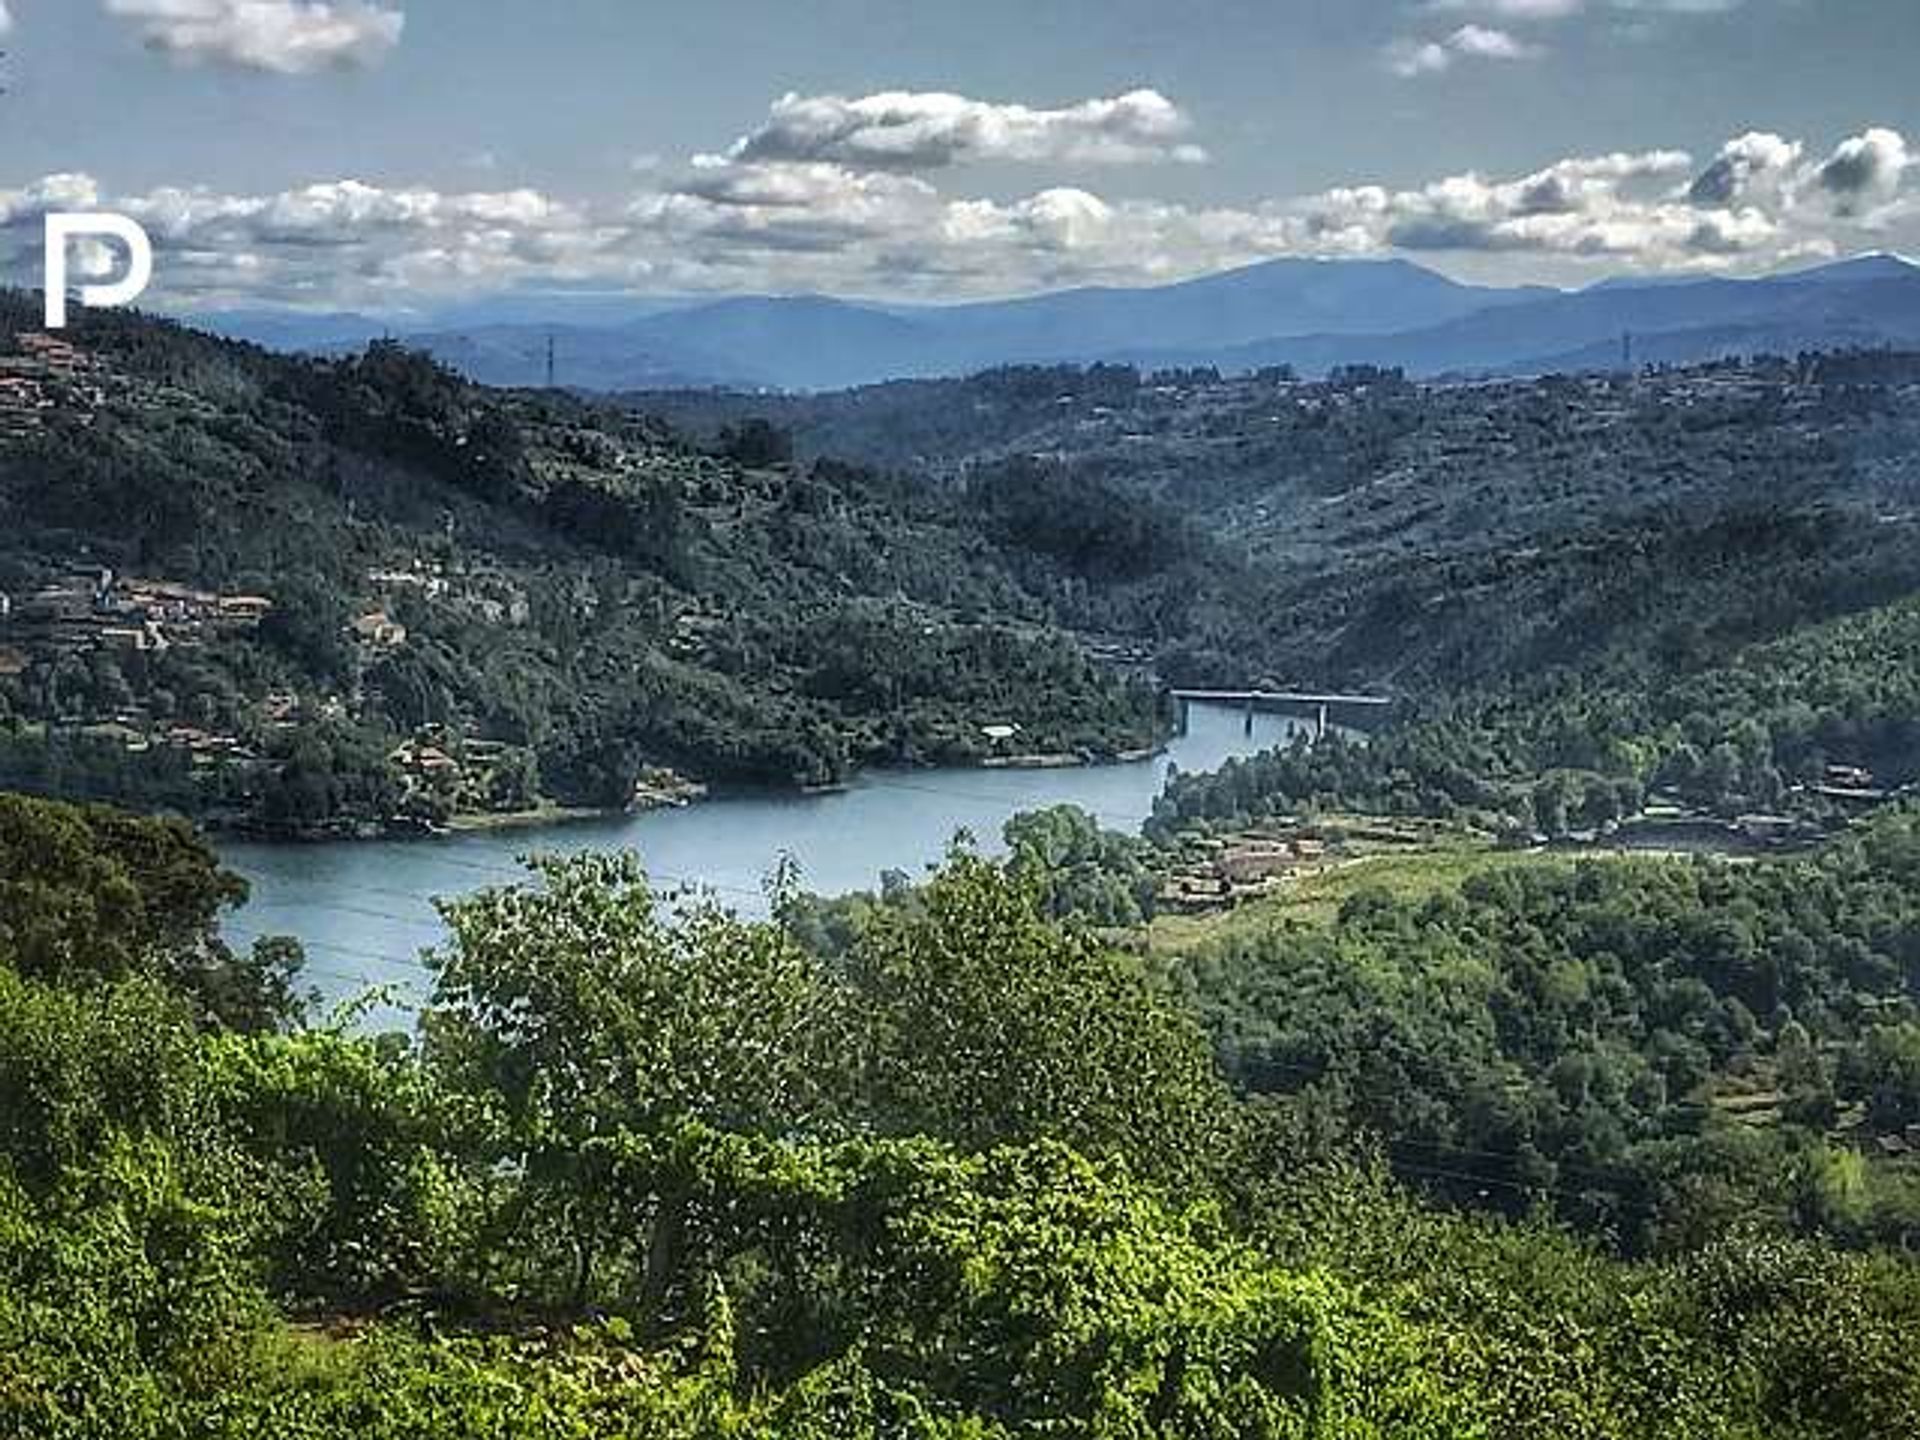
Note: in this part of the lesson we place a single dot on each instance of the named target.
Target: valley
(1091, 721)
(851, 753)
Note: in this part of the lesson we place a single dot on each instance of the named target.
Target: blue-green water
(364, 909)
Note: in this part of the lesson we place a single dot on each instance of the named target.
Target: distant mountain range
(1310, 314)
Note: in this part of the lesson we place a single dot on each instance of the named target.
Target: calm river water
(364, 909)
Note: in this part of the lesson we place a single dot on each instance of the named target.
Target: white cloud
(1865, 171)
(1603, 205)
(288, 37)
(790, 225)
(784, 209)
(26, 205)
(1489, 44)
(908, 130)
(1409, 58)
(1754, 163)
(6, 19)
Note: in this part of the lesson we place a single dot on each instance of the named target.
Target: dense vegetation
(975, 1177)
(603, 597)
(1364, 531)
(1617, 1148)
(575, 584)
(1659, 1049)
(1573, 748)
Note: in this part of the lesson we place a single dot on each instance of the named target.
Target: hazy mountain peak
(1857, 269)
(1308, 312)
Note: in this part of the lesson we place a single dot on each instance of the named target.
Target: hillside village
(338, 596)
(38, 372)
(86, 621)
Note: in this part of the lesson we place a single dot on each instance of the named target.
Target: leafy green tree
(89, 893)
(586, 1012)
(308, 625)
(1081, 869)
(1890, 1074)
(994, 1026)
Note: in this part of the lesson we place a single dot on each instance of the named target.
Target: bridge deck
(1280, 697)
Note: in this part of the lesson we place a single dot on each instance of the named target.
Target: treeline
(973, 1177)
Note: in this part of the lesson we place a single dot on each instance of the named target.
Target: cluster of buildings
(485, 592)
(42, 370)
(1225, 871)
(86, 608)
(444, 772)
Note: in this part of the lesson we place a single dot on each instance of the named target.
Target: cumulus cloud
(760, 224)
(1752, 163)
(6, 19)
(288, 37)
(1586, 205)
(336, 241)
(1408, 58)
(1488, 44)
(803, 207)
(1758, 200)
(26, 205)
(908, 130)
(1865, 171)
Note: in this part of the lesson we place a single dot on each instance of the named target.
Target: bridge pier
(1249, 730)
(1320, 724)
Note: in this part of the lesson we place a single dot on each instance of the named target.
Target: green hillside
(314, 595)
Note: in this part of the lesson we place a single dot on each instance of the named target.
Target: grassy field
(1316, 898)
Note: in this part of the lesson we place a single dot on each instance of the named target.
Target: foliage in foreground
(973, 1178)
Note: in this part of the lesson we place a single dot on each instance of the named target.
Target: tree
(757, 444)
(308, 625)
(1891, 1074)
(89, 894)
(589, 1014)
(1080, 869)
(994, 1026)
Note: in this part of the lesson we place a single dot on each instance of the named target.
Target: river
(364, 909)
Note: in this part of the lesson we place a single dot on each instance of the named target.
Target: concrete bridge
(1254, 700)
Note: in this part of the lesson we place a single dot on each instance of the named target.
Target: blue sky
(375, 153)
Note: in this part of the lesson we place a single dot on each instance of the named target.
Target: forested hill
(325, 593)
(1365, 530)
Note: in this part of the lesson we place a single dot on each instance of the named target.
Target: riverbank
(657, 790)
(541, 817)
(1070, 760)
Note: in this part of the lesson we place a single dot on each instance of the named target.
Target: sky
(386, 154)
